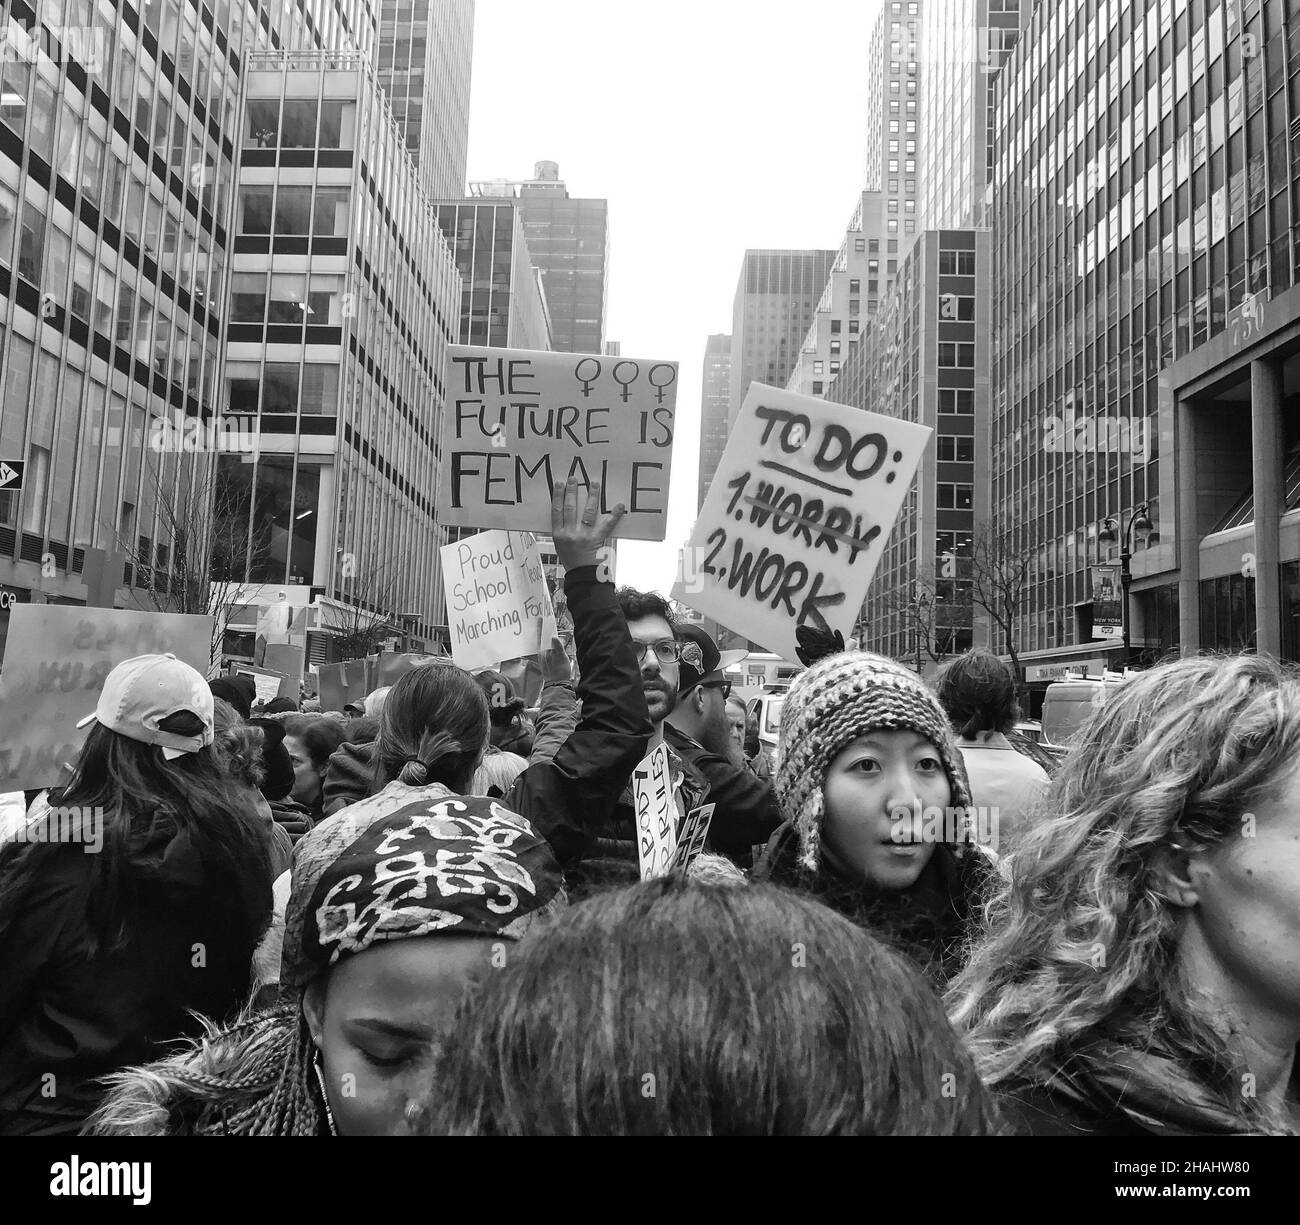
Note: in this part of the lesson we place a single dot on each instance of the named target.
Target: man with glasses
(746, 812)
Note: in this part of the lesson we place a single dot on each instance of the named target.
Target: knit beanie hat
(829, 706)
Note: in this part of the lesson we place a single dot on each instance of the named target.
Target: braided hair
(253, 1078)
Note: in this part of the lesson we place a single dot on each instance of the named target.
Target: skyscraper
(715, 396)
(1146, 294)
(118, 140)
(502, 301)
(344, 297)
(772, 311)
(425, 52)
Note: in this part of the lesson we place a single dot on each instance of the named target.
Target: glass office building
(344, 296)
(772, 312)
(925, 358)
(1145, 202)
(424, 56)
(715, 395)
(119, 132)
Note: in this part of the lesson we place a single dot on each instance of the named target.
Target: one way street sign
(11, 474)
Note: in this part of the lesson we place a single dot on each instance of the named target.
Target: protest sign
(343, 683)
(656, 814)
(690, 838)
(391, 666)
(498, 605)
(518, 422)
(267, 682)
(797, 516)
(56, 660)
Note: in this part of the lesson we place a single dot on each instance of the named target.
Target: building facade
(772, 312)
(861, 274)
(895, 123)
(965, 44)
(1144, 207)
(344, 296)
(424, 54)
(503, 303)
(715, 398)
(926, 359)
(119, 135)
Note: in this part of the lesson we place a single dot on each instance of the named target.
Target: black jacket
(571, 799)
(746, 812)
(70, 1014)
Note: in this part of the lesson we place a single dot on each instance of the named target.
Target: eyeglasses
(667, 650)
(724, 685)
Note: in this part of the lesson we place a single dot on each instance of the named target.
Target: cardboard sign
(343, 683)
(287, 660)
(656, 814)
(690, 838)
(56, 660)
(518, 423)
(797, 517)
(498, 604)
(267, 683)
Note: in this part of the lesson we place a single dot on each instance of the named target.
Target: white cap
(141, 692)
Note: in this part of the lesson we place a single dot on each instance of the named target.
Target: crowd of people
(426, 915)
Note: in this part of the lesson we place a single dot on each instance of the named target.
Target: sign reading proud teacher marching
(498, 604)
(518, 423)
(797, 516)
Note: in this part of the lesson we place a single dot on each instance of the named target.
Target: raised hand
(577, 527)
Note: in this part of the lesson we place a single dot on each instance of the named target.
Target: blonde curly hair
(1174, 760)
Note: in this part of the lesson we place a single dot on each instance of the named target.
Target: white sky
(711, 126)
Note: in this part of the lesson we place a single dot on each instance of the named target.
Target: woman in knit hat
(877, 808)
(391, 915)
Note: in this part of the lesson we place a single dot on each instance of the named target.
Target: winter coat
(349, 776)
(573, 800)
(931, 922)
(745, 813)
(71, 1013)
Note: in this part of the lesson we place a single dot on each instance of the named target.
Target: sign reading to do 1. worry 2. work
(518, 423)
(797, 516)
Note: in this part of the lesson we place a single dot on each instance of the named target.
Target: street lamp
(1140, 522)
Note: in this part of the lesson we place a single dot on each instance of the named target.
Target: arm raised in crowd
(566, 798)
(557, 715)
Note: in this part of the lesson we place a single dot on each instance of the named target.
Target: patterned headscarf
(829, 706)
(462, 865)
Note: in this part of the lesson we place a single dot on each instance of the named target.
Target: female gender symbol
(660, 388)
(627, 395)
(586, 379)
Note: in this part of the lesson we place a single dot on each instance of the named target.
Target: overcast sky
(711, 126)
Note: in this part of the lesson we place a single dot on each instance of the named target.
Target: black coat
(70, 1013)
(746, 812)
(572, 799)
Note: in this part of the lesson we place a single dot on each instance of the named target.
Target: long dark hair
(675, 1008)
(147, 801)
(434, 728)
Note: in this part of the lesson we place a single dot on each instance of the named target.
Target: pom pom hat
(829, 706)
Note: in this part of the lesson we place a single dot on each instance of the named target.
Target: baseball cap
(142, 692)
(701, 660)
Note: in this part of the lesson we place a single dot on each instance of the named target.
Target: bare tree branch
(999, 585)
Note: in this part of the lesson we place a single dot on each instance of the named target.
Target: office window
(893, 184)
(909, 165)
(893, 87)
(909, 226)
(893, 125)
(255, 209)
(853, 327)
(299, 122)
(293, 210)
(873, 266)
(956, 306)
(956, 263)
(891, 226)
(853, 307)
(331, 211)
(956, 355)
(954, 497)
(893, 166)
(955, 449)
(893, 146)
(835, 349)
(31, 250)
(247, 297)
(892, 206)
(818, 367)
(873, 244)
(855, 286)
(960, 400)
(859, 245)
(835, 327)
(817, 388)
(835, 367)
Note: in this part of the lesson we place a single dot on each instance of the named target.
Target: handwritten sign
(691, 837)
(518, 422)
(267, 683)
(56, 660)
(797, 517)
(656, 814)
(498, 604)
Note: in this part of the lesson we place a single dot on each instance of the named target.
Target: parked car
(1068, 704)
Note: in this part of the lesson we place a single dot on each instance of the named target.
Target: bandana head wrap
(462, 865)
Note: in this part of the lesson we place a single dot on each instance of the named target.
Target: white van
(1068, 704)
